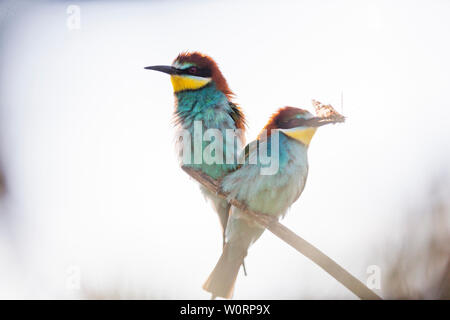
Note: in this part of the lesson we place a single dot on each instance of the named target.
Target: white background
(87, 139)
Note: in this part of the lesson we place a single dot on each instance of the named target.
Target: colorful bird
(202, 94)
(268, 194)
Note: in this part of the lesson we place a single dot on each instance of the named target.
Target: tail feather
(222, 279)
(241, 234)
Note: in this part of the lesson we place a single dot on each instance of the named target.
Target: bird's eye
(192, 70)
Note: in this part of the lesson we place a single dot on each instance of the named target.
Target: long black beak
(165, 69)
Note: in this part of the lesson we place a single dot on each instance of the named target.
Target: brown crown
(284, 118)
(203, 61)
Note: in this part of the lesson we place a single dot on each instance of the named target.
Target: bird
(202, 94)
(272, 194)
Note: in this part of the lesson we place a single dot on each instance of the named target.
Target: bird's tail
(241, 235)
(221, 280)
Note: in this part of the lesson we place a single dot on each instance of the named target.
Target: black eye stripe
(291, 123)
(199, 72)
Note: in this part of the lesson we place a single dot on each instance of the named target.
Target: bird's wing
(238, 116)
(247, 179)
(267, 193)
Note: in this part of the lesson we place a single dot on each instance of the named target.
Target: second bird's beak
(165, 69)
(319, 121)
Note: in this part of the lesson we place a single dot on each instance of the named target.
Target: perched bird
(267, 194)
(202, 94)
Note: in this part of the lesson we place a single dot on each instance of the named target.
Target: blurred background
(93, 204)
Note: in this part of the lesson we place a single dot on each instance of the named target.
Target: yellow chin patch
(181, 83)
(302, 135)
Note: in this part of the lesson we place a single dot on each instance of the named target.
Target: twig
(285, 234)
(2, 184)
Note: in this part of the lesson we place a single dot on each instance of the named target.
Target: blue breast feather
(270, 194)
(214, 110)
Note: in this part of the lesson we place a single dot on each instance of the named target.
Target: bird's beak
(165, 69)
(319, 121)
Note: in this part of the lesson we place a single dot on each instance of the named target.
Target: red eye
(193, 70)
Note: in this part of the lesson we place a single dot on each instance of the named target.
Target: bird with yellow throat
(202, 96)
(292, 129)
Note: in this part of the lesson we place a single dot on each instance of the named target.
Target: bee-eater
(202, 94)
(267, 194)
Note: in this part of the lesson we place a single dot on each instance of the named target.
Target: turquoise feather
(268, 194)
(213, 108)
